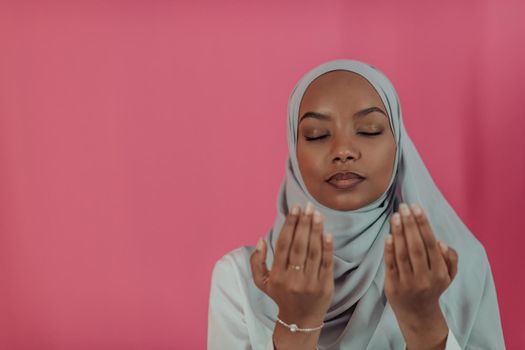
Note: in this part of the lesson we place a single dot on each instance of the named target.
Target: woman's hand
(301, 280)
(418, 269)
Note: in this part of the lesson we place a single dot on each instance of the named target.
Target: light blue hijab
(359, 316)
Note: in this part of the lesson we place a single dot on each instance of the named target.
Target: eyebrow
(360, 114)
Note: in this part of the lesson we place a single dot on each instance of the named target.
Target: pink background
(142, 140)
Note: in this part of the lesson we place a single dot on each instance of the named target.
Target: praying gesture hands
(418, 269)
(301, 280)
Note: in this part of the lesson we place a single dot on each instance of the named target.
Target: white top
(232, 323)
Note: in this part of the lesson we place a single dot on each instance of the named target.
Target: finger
(285, 239)
(326, 267)
(416, 247)
(315, 246)
(260, 272)
(390, 260)
(300, 237)
(451, 258)
(401, 254)
(433, 253)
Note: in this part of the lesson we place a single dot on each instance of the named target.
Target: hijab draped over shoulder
(359, 316)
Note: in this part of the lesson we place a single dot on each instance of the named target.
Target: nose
(343, 152)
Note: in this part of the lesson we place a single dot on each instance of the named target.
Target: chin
(344, 204)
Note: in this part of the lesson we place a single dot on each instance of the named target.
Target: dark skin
(352, 138)
(418, 268)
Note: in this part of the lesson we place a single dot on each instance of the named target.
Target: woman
(386, 275)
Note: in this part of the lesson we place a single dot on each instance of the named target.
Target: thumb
(260, 272)
(451, 258)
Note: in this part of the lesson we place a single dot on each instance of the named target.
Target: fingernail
(404, 209)
(309, 208)
(389, 239)
(260, 243)
(416, 208)
(295, 210)
(317, 216)
(443, 246)
(328, 238)
(396, 218)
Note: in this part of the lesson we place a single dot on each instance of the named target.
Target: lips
(345, 180)
(344, 175)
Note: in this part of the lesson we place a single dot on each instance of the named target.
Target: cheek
(310, 163)
(385, 158)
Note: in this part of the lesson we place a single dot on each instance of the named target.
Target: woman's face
(343, 127)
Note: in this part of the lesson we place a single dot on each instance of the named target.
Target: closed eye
(316, 138)
(367, 134)
(370, 133)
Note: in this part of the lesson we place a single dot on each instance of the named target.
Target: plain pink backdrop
(142, 140)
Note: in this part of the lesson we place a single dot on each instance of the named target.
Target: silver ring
(295, 267)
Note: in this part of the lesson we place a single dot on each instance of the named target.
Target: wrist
(295, 328)
(284, 339)
(425, 330)
(302, 322)
(422, 318)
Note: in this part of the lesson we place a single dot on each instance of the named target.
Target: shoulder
(235, 259)
(473, 269)
(234, 265)
(472, 255)
(473, 265)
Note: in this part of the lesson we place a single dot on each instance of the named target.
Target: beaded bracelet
(295, 328)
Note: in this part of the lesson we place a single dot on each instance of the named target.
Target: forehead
(343, 86)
